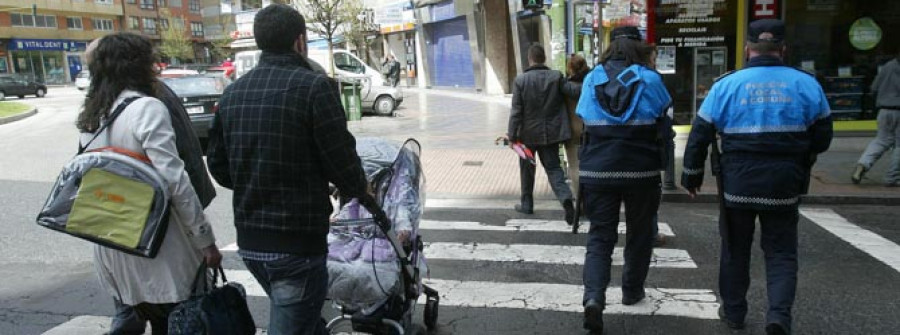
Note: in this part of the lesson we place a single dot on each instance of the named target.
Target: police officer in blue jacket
(772, 120)
(623, 105)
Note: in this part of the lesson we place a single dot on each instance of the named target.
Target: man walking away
(886, 87)
(394, 71)
(773, 120)
(279, 138)
(539, 120)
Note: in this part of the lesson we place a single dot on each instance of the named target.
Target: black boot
(570, 211)
(593, 317)
(527, 205)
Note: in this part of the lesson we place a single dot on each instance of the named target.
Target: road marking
(873, 244)
(93, 325)
(545, 254)
(523, 225)
(691, 303)
(539, 205)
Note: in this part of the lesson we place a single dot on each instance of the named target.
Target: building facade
(152, 17)
(49, 46)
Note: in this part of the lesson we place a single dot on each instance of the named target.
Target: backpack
(110, 196)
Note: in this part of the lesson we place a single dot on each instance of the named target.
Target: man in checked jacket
(279, 137)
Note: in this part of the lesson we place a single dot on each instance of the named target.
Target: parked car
(17, 86)
(200, 96)
(224, 71)
(375, 92)
(171, 72)
(83, 80)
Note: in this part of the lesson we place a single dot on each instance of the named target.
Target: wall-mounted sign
(865, 34)
(765, 9)
(693, 23)
(45, 45)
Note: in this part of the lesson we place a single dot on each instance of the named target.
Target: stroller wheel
(431, 313)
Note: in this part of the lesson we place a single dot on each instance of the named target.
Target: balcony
(65, 6)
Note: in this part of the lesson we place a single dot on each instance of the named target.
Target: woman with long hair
(576, 70)
(144, 289)
(623, 104)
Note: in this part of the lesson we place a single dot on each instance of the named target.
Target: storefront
(841, 42)
(398, 30)
(448, 52)
(47, 61)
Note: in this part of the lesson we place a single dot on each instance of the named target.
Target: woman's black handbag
(218, 310)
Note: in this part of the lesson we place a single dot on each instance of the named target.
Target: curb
(705, 198)
(17, 117)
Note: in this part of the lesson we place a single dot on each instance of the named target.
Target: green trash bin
(351, 98)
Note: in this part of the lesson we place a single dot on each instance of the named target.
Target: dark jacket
(626, 127)
(538, 116)
(189, 149)
(279, 137)
(886, 85)
(772, 120)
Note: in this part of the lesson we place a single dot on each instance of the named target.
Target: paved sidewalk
(457, 129)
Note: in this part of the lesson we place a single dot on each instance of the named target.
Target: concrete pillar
(498, 42)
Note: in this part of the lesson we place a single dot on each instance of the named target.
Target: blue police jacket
(772, 120)
(623, 109)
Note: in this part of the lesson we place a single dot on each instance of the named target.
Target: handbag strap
(200, 277)
(112, 117)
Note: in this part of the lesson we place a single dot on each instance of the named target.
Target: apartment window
(194, 6)
(134, 23)
(175, 3)
(196, 29)
(104, 2)
(102, 24)
(74, 23)
(37, 21)
(131, 1)
(161, 3)
(149, 26)
(164, 24)
(179, 23)
(147, 4)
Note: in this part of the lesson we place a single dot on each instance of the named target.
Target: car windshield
(196, 85)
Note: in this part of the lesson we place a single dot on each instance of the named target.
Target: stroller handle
(378, 214)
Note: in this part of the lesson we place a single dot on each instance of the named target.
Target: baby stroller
(375, 259)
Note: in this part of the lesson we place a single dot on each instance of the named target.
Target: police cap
(766, 30)
(629, 32)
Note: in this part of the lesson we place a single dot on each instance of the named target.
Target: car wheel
(21, 97)
(40, 93)
(2, 95)
(384, 106)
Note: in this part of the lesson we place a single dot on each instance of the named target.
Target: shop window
(134, 23)
(74, 23)
(28, 20)
(149, 26)
(197, 29)
(102, 24)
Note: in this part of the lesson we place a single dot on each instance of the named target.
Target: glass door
(709, 64)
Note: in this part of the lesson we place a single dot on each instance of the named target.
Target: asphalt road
(844, 288)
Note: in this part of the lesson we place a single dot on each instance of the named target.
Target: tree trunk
(331, 55)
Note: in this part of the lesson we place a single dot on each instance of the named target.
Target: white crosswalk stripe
(524, 225)
(546, 254)
(694, 303)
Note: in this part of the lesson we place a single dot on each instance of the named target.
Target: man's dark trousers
(296, 287)
(778, 239)
(602, 204)
(549, 157)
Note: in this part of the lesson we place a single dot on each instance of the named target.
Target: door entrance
(709, 64)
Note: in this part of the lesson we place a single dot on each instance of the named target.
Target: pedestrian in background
(886, 88)
(576, 70)
(280, 136)
(772, 119)
(539, 120)
(623, 104)
(394, 73)
(145, 289)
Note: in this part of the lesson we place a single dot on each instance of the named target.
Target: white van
(376, 93)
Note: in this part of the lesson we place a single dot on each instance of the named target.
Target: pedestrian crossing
(454, 245)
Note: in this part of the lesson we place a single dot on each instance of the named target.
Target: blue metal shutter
(451, 56)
